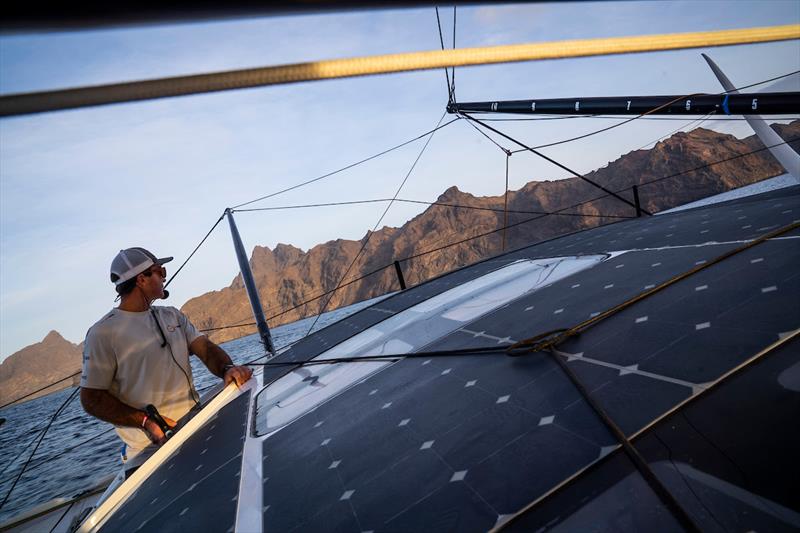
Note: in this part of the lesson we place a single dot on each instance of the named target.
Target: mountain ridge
(39, 364)
(288, 276)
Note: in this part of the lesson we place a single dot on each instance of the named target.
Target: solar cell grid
(484, 436)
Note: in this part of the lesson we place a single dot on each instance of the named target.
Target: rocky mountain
(287, 276)
(38, 365)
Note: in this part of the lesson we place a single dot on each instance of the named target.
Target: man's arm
(107, 407)
(219, 362)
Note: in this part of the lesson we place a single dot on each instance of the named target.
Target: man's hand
(238, 375)
(219, 362)
(154, 432)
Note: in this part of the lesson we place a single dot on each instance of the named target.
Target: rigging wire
(203, 240)
(556, 163)
(385, 211)
(12, 402)
(762, 82)
(453, 77)
(446, 74)
(41, 437)
(195, 249)
(347, 167)
(503, 148)
(492, 140)
(505, 205)
(684, 126)
(433, 204)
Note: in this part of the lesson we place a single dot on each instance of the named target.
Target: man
(138, 354)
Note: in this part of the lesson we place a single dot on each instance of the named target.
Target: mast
(784, 153)
(696, 104)
(250, 286)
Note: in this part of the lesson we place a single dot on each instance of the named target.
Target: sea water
(78, 451)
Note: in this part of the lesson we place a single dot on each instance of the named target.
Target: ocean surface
(771, 184)
(79, 451)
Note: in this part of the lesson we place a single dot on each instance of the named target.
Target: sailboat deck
(466, 443)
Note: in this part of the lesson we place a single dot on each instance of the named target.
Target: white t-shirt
(123, 355)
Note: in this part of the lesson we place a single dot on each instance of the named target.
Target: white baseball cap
(131, 262)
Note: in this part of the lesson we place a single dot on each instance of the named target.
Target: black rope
(686, 125)
(351, 165)
(633, 454)
(505, 205)
(554, 162)
(39, 390)
(762, 82)
(446, 74)
(195, 249)
(547, 340)
(453, 89)
(503, 148)
(41, 437)
(385, 211)
(387, 357)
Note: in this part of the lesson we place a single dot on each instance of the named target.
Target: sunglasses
(156, 269)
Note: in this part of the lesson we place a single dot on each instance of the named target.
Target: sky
(77, 186)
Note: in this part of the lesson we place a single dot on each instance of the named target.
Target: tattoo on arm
(105, 406)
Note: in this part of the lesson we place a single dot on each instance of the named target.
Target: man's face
(152, 282)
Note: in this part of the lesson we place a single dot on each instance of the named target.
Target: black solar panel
(197, 488)
(463, 443)
(479, 441)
